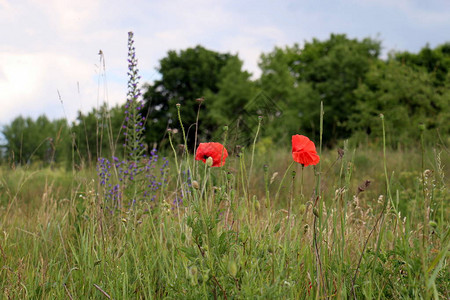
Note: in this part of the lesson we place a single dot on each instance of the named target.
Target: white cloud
(31, 82)
(68, 16)
(251, 42)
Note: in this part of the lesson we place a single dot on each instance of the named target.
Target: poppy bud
(432, 224)
(193, 274)
(257, 205)
(422, 127)
(302, 209)
(205, 275)
(178, 105)
(229, 176)
(209, 161)
(232, 268)
(316, 212)
(225, 128)
(195, 184)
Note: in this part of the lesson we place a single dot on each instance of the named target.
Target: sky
(49, 49)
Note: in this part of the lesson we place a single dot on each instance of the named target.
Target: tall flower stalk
(136, 175)
(134, 121)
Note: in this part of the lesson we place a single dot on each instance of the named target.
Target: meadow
(264, 221)
(361, 224)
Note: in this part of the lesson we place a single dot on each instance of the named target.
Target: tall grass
(224, 241)
(364, 223)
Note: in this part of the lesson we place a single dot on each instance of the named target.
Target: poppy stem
(175, 154)
(301, 184)
(243, 177)
(266, 185)
(184, 137)
(317, 224)
(205, 178)
(253, 150)
(222, 159)
(282, 180)
(195, 140)
(291, 198)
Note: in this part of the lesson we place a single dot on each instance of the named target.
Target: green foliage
(293, 99)
(434, 61)
(60, 242)
(46, 142)
(327, 71)
(233, 234)
(97, 134)
(185, 76)
(235, 90)
(406, 96)
(39, 140)
(346, 74)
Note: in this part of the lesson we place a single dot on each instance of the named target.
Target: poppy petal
(214, 150)
(304, 150)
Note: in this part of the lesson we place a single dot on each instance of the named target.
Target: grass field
(275, 231)
(365, 222)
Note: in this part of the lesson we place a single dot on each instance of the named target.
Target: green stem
(243, 176)
(424, 250)
(205, 179)
(195, 140)
(318, 218)
(184, 136)
(175, 155)
(282, 180)
(388, 188)
(301, 184)
(266, 185)
(253, 150)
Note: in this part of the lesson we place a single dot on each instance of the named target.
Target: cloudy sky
(49, 61)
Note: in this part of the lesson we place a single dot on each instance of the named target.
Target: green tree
(185, 76)
(406, 96)
(328, 71)
(434, 61)
(39, 140)
(98, 133)
(293, 99)
(235, 90)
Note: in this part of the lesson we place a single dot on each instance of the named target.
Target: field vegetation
(127, 203)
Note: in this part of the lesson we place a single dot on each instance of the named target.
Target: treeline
(46, 142)
(348, 76)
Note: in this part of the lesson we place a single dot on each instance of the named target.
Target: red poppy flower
(216, 151)
(304, 151)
